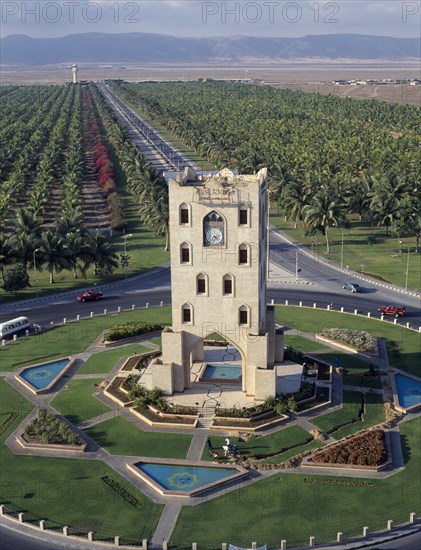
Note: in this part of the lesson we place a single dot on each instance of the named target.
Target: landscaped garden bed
(46, 431)
(367, 450)
(320, 398)
(116, 392)
(130, 330)
(156, 418)
(356, 340)
(313, 368)
(141, 361)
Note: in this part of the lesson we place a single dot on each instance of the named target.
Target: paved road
(12, 539)
(325, 287)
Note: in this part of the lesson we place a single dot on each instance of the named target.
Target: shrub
(367, 449)
(128, 330)
(358, 339)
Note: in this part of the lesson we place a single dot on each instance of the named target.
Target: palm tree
(323, 212)
(53, 252)
(78, 251)
(101, 254)
(7, 253)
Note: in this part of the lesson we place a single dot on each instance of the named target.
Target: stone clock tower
(218, 232)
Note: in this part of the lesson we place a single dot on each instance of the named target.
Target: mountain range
(165, 49)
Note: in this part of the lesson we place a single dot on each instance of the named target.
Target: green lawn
(293, 507)
(119, 436)
(105, 361)
(262, 445)
(76, 401)
(386, 258)
(67, 491)
(374, 414)
(303, 344)
(356, 368)
(12, 402)
(71, 338)
(157, 341)
(311, 320)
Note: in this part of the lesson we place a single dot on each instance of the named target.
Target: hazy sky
(49, 18)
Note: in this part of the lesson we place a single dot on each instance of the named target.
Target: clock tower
(218, 236)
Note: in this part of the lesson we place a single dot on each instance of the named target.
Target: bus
(14, 326)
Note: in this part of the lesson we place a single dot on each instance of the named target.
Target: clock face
(214, 235)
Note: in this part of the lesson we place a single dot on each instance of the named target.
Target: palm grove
(42, 173)
(330, 160)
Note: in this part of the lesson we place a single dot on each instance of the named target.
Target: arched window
(201, 284)
(243, 315)
(185, 253)
(243, 254)
(243, 215)
(213, 229)
(187, 316)
(184, 214)
(228, 285)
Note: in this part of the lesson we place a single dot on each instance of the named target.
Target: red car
(89, 295)
(396, 311)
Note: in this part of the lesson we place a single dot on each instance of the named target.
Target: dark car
(396, 311)
(89, 295)
(353, 287)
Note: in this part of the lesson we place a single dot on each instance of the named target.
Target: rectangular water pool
(222, 372)
(408, 391)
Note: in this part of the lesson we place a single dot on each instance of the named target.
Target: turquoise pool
(42, 376)
(409, 391)
(223, 371)
(185, 478)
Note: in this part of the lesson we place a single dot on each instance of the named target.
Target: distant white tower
(74, 74)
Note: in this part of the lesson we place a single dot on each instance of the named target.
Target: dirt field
(313, 78)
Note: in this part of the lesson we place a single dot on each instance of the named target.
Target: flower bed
(129, 330)
(140, 361)
(360, 340)
(48, 431)
(313, 368)
(247, 424)
(153, 418)
(116, 393)
(320, 398)
(366, 449)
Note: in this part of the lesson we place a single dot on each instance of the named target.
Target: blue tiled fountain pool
(42, 377)
(408, 390)
(184, 479)
(223, 371)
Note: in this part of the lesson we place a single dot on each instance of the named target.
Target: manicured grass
(385, 258)
(374, 414)
(293, 507)
(262, 445)
(356, 368)
(105, 361)
(157, 341)
(312, 320)
(76, 401)
(303, 344)
(277, 459)
(119, 436)
(71, 338)
(67, 491)
(12, 402)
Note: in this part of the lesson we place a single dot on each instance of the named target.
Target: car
(396, 311)
(353, 287)
(89, 295)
